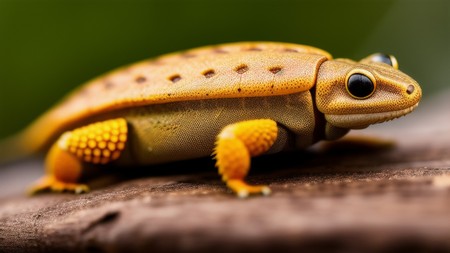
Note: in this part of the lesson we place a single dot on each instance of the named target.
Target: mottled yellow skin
(152, 82)
(240, 100)
(101, 142)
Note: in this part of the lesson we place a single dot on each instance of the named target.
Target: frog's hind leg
(236, 144)
(98, 143)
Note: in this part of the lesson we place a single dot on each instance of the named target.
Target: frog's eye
(385, 58)
(360, 85)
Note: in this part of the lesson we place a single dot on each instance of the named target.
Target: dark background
(49, 47)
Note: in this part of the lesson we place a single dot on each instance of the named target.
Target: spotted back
(248, 69)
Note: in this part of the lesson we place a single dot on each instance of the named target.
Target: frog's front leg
(98, 143)
(236, 144)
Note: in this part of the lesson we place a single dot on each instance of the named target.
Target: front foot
(51, 184)
(243, 190)
(235, 146)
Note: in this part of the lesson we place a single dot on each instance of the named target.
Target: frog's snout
(413, 93)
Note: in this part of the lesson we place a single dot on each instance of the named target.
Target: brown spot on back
(175, 78)
(254, 49)
(275, 70)
(241, 69)
(209, 73)
(140, 79)
(108, 85)
(291, 50)
(220, 51)
(188, 55)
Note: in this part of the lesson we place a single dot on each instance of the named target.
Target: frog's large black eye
(360, 86)
(385, 58)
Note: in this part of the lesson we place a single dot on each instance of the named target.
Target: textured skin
(390, 100)
(101, 142)
(261, 97)
(188, 129)
(240, 70)
(236, 144)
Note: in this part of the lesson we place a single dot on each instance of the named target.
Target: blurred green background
(49, 47)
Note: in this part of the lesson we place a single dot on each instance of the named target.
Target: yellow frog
(236, 101)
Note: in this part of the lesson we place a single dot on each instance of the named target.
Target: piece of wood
(345, 197)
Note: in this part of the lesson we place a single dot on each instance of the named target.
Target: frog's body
(242, 99)
(186, 130)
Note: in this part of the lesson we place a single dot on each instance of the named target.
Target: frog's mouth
(359, 121)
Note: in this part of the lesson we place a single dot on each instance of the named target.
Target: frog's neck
(324, 130)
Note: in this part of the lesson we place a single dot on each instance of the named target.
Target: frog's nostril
(410, 89)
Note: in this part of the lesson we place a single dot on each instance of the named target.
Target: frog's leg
(98, 143)
(236, 144)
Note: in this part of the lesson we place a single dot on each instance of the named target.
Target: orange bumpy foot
(242, 189)
(49, 183)
(236, 144)
(97, 143)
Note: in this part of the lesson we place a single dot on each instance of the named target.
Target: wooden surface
(347, 197)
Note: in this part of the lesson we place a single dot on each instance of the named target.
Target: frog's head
(355, 95)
